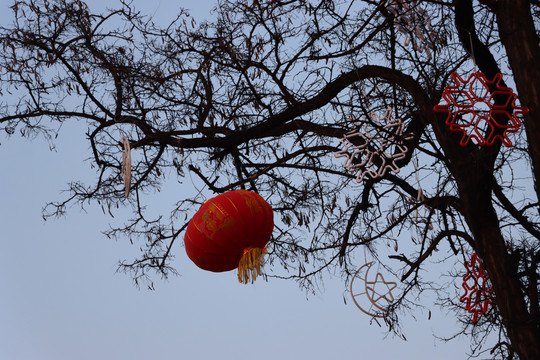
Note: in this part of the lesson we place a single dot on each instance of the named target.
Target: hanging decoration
(126, 165)
(371, 296)
(231, 231)
(478, 293)
(415, 23)
(470, 109)
(374, 146)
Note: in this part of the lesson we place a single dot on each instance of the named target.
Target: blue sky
(60, 297)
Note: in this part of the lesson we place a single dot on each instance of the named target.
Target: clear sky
(61, 299)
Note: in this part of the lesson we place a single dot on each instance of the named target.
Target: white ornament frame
(371, 145)
(369, 291)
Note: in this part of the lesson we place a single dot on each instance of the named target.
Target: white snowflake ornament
(374, 146)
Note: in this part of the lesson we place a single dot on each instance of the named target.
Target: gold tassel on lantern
(249, 266)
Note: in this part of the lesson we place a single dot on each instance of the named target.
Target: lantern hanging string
(249, 266)
(472, 51)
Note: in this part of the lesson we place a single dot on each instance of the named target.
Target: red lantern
(230, 231)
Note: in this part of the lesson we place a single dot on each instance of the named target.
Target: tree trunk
(474, 172)
(518, 35)
(501, 265)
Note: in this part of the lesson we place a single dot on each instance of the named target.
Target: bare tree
(264, 95)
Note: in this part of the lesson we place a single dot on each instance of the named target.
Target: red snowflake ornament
(478, 294)
(471, 109)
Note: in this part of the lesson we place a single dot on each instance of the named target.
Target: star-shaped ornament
(380, 290)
